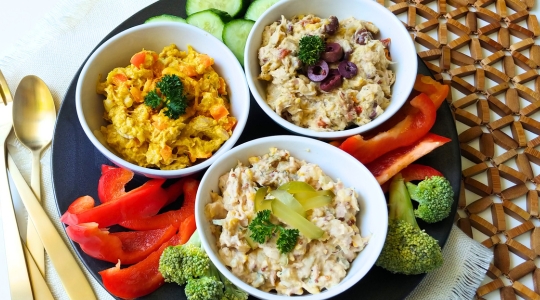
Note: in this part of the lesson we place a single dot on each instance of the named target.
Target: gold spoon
(34, 116)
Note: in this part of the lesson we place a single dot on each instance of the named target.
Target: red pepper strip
(105, 168)
(174, 191)
(391, 163)
(112, 184)
(418, 172)
(187, 228)
(144, 201)
(436, 91)
(413, 127)
(81, 204)
(172, 217)
(143, 277)
(128, 247)
(414, 172)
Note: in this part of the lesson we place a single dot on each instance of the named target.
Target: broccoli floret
(183, 262)
(434, 196)
(310, 49)
(232, 292)
(189, 264)
(407, 249)
(206, 287)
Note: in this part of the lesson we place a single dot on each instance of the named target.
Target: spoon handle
(19, 282)
(69, 271)
(35, 246)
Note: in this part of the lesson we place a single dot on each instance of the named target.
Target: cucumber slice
(233, 7)
(211, 21)
(166, 18)
(235, 34)
(256, 8)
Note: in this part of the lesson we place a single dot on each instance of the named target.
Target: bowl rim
(387, 114)
(376, 244)
(148, 172)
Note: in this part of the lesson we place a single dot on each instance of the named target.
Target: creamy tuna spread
(313, 265)
(354, 101)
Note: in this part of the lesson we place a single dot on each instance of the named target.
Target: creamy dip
(299, 100)
(312, 265)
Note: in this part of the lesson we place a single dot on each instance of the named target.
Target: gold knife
(69, 271)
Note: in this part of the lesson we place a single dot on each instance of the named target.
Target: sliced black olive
(318, 72)
(333, 26)
(362, 36)
(331, 82)
(347, 69)
(333, 52)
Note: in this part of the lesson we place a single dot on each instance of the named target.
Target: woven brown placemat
(488, 52)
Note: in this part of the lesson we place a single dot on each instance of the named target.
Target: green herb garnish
(262, 229)
(170, 87)
(311, 47)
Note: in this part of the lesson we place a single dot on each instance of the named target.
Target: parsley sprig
(310, 49)
(173, 98)
(262, 229)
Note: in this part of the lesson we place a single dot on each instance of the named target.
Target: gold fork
(19, 282)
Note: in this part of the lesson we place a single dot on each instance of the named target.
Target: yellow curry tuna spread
(189, 121)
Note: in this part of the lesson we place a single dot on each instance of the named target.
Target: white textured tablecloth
(55, 50)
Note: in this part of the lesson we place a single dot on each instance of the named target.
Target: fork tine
(5, 93)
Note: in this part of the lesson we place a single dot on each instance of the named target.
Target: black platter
(76, 170)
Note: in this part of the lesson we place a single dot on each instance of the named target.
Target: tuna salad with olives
(326, 74)
(281, 224)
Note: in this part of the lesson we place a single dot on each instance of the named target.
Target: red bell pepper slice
(393, 162)
(81, 204)
(128, 247)
(418, 172)
(112, 183)
(144, 201)
(105, 168)
(143, 277)
(172, 217)
(436, 91)
(414, 172)
(415, 125)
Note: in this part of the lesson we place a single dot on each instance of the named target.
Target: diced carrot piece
(222, 90)
(136, 93)
(158, 123)
(166, 152)
(138, 59)
(189, 70)
(218, 111)
(206, 60)
(119, 78)
(231, 122)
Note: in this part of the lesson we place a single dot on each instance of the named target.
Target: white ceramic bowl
(117, 51)
(402, 50)
(372, 220)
